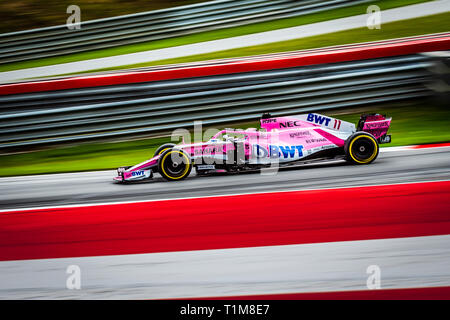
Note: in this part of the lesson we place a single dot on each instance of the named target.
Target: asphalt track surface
(134, 251)
(391, 167)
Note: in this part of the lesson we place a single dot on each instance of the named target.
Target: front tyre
(163, 148)
(361, 148)
(174, 164)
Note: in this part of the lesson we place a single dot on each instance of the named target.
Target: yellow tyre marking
(162, 151)
(185, 171)
(375, 151)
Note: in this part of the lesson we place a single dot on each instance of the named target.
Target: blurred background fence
(153, 25)
(139, 109)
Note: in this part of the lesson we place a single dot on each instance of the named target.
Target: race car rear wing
(377, 125)
(305, 121)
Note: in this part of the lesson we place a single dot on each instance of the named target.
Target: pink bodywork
(285, 138)
(377, 128)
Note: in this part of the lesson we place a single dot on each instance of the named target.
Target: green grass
(410, 125)
(419, 125)
(31, 14)
(210, 35)
(424, 25)
(95, 156)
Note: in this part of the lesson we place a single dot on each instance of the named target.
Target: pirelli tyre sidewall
(174, 165)
(163, 148)
(361, 148)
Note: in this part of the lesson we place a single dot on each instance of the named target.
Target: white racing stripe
(320, 267)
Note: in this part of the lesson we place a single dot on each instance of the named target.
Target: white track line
(319, 267)
(411, 147)
(213, 196)
(74, 174)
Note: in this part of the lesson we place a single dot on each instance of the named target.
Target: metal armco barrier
(32, 117)
(153, 25)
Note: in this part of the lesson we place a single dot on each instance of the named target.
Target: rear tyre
(174, 164)
(361, 148)
(163, 148)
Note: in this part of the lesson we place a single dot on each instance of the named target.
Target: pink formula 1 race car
(281, 141)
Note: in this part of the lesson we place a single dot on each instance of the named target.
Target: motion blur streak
(362, 51)
(414, 262)
(435, 145)
(377, 212)
(436, 293)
